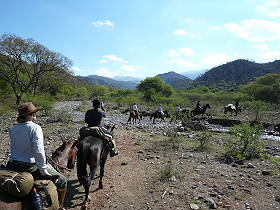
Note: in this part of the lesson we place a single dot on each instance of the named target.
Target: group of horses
(135, 116)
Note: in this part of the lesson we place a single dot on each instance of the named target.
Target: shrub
(247, 143)
(204, 140)
(166, 172)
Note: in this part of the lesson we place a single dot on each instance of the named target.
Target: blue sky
(142, 38)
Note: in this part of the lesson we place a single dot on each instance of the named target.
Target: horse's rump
(90, 150)
(230, 106)
(93, 131)
(10, 203)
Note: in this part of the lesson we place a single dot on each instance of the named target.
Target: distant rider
(160, 110)
(198, 107)
(135, 108)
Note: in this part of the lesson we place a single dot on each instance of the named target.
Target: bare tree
(23, 62)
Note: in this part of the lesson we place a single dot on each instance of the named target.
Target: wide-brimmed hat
(26, 109)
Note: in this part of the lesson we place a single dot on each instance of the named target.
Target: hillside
(176, 80)
(99, 80)
(235, 73)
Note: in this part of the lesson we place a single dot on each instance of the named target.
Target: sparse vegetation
(204, 139)
(168, 171)
(247, 144)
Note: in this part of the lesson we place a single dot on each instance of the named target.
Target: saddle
(96, 132)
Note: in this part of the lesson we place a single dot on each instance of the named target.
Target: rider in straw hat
(27, 150)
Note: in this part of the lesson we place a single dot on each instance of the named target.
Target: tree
(23, 62)
(265, 88)
(153, 86)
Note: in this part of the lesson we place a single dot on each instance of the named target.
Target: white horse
(230, 108)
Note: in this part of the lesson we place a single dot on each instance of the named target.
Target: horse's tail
(82, 161)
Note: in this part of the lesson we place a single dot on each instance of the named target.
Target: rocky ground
(155, 171)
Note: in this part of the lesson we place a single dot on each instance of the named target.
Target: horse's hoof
(88, 199)
(100, 186)
(85, 206)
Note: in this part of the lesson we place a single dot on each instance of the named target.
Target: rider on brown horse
(27, 150)
(198, 107)
(93, 118)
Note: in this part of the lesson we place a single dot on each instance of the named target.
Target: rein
(60, 166)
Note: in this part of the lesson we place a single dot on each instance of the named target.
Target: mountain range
(232, 74)
(99, 80)
(236, 73)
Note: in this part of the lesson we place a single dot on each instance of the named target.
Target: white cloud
(115, 58)
(180, 52)
(130, 68)
(270, 8)
(173, 53)
(186, 51)
(75, 68)
(181, 32)
(105, 73)
(106, 23)
(216, 59)
(256, 30)
(216, 28)
(260, 46)
(103, 61)
(181, 63)
(269, 55)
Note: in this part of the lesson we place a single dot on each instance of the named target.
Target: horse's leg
(102, 166)
(172, 120)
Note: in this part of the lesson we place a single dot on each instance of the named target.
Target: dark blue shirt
(94, 117)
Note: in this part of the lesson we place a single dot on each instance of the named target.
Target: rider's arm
(87, 117)
(38, 149)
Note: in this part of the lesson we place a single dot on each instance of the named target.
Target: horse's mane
(60, 149)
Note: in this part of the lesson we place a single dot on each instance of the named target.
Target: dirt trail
(124, 181)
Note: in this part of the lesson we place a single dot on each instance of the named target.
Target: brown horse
(64, 157)
(134, 115)
(92, 152)
(155, 115)
(201, 111)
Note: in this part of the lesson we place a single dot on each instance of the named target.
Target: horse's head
(65, 155)
(110, 128)
(167, 113)
(207, 106)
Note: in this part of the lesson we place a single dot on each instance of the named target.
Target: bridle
(59, 166)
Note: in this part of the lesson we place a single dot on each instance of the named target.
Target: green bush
(247, 143)
(204, 140)
(166, 172)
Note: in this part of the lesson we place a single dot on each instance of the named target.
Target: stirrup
(113, 153)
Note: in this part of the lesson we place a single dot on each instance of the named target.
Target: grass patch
(166, 172)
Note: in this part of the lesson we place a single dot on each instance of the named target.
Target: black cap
(96, 103)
